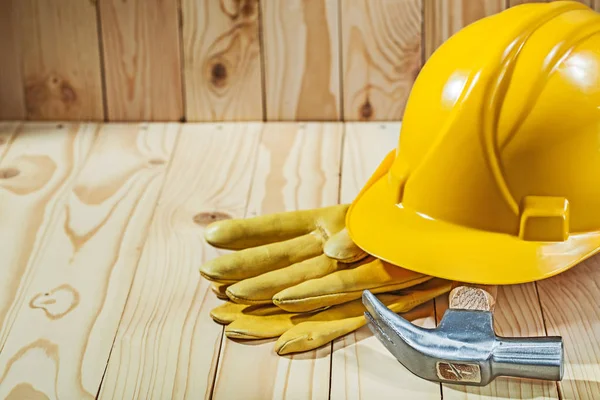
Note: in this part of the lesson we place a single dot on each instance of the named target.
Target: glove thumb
(340, 247)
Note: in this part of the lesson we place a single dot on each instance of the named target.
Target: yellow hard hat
(496, 178)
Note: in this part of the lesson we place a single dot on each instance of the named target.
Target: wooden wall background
(221, 60)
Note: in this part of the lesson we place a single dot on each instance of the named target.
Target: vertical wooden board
(443, 18)
(167, 345)
(61, 338)
(297, 168)
(60, 59)
(381, 42)
(222, 67)
(36, 173)
(517, 314)
(142, 65)
(301, 54)
(12, 100)
(362, 367)
(570, 306)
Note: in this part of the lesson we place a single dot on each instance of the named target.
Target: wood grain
(297, 168)
(362, 368)
(301, 53)
(517, 314)
(381, 57)
(37, 171)
(68, 315)
(167, 345)
(443, 18)
(8, 132)
(221, 53)
(141, 60)
(12, 100)
(58, 52)
(570, 305)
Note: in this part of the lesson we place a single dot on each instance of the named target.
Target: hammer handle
(473, 297)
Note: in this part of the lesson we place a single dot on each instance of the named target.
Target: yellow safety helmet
(496, 178)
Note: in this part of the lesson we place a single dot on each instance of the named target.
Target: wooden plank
(84, 271)
(60, 59)
(297, 168)
(381, 57)
(12, 100)
(301, 53)
(517, 314)
(167, 345)
(443, 18)
(37, 171)
(141, 60)
(222, 67)
(569, 303)
(362, 367)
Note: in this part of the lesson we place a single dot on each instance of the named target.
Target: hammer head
(464, 348)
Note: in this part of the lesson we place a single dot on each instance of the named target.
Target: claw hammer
(463, 348)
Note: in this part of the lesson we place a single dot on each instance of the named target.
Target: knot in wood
(156, 161)
(218, 74)
(248, 8)
(67, 93)
(206, 218)
(366, 110)
(8, 173)
(57, 302)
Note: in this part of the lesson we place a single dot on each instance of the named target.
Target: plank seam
(17, 35)
(102, 62)
(183, 117)
(423, 35)
(263, 66)
(340, 169)
(537, 292)
(17, 31)
(341, 70)
(435, 318)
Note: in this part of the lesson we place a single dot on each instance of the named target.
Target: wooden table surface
(101, 232)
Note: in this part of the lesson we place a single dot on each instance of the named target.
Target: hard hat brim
(422, 244)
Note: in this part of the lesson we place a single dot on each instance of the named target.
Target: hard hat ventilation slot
(544, 219)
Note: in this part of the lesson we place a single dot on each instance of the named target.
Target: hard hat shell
(496, 177)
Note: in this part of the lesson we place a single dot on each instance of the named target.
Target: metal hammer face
(464, 348)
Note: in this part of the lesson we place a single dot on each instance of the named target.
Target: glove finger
(229, 312)
(248, 263)
(341, 247)
(306, 331)
(311, 332)
(260, 327)
(262, 288)
(220, 290)
(237, 234)
(346, 285)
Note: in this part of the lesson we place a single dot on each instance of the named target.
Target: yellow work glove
(300, 261)
(299, 332)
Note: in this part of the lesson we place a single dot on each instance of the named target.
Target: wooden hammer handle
(473, 297)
